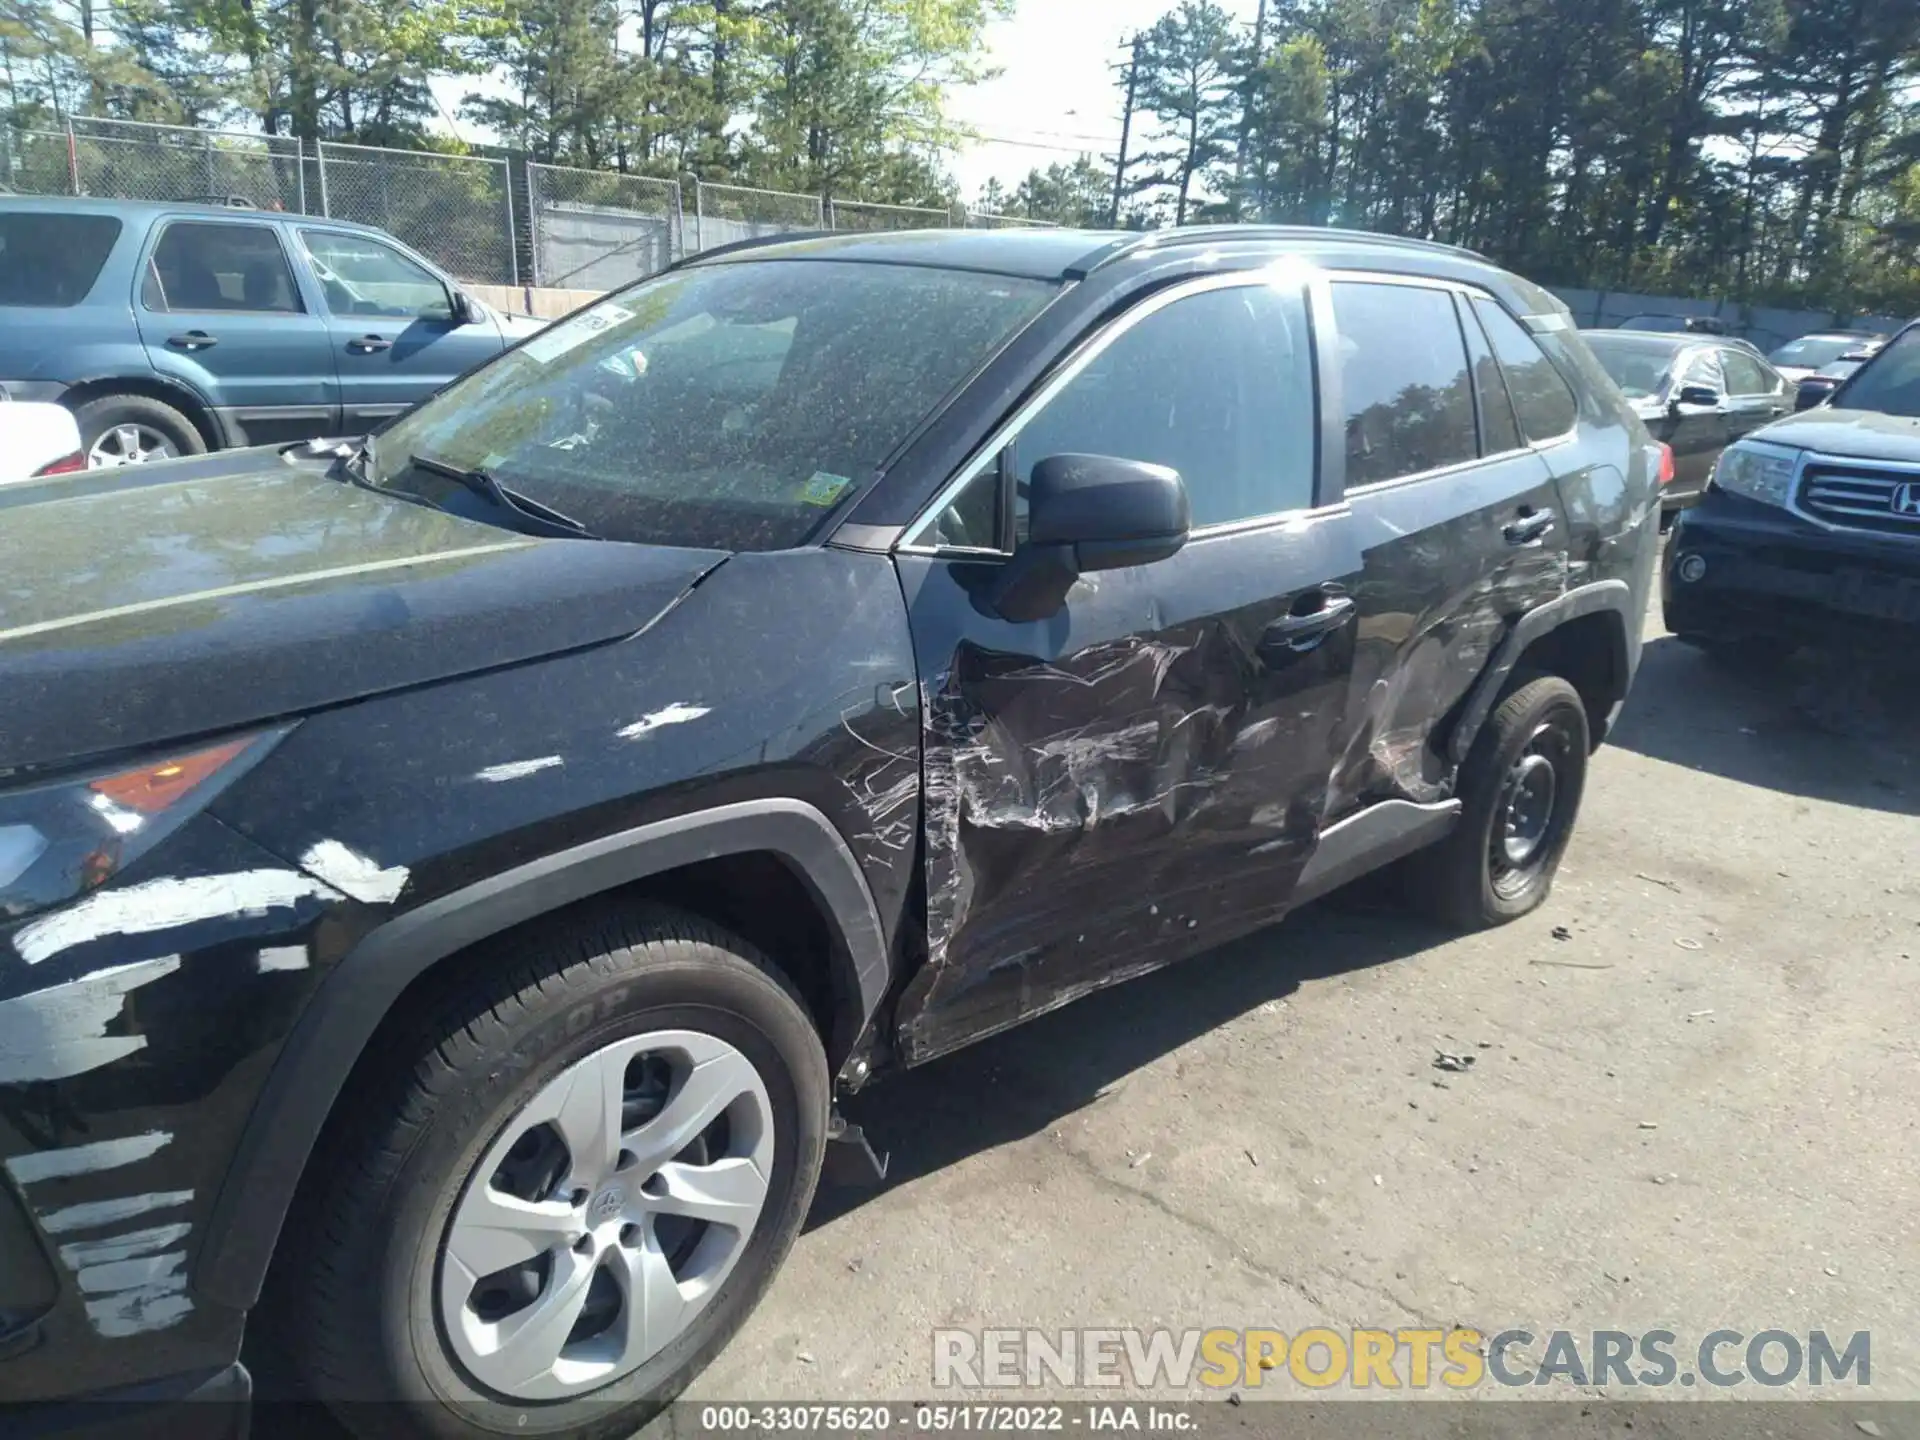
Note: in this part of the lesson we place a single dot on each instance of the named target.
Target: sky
(1057, 96)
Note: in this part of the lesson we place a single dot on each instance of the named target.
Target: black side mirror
(1704, 395)
(1813, 391)
(1086, 513)
(464, 311)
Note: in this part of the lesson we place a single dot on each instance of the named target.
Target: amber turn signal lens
(152, 788)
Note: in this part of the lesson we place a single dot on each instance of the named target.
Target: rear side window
(201, 267)
(1499, 432)
(1541, 397)
(1409, 403)
(48, 259)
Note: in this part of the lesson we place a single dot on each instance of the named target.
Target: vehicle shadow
(1827, 726)
(1027, 1079)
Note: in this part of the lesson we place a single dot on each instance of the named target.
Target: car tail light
(65, 465)
(1666, 465)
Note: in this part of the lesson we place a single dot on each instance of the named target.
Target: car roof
(140, 209)
(1062, 254)
(1656, 339)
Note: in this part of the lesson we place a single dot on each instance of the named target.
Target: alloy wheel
(606, 1215)
(129, 445)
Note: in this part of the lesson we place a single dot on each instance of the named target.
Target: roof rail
(1213, 234)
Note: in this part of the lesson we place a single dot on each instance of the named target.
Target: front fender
(362, 988)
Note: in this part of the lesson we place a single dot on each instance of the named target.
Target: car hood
(205, 595)
(1867, 434)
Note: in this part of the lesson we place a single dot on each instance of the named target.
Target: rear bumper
(1736, 569)
(187, 1407)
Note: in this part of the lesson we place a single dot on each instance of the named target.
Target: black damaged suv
(444, 883)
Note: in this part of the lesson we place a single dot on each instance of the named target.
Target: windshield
(1639, 369)
(1890, 382)
(1810, 352)
(727, 407)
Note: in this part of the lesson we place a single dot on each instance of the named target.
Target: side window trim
(157, 236)
(916, 538)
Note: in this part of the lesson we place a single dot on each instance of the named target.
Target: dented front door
(1143, 774)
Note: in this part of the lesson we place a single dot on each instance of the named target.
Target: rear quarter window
(51, 260)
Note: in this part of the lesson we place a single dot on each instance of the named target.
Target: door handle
(193, 340)
(369, 345)
(1529, 528)
(1299, 634)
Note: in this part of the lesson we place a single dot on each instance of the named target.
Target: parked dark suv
(1810, 531)
(447, 883)
(170, 329)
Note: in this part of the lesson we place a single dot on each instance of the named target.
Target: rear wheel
(1520, 788)
(120, 430)
(573, 1189)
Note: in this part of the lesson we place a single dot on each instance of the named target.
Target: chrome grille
(1862, 497)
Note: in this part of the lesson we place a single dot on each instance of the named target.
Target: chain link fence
(867, 215)
(455, 209)
(579, 229)
(598, 229)
(726, 214)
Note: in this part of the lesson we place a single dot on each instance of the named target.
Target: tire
(1461, 880)
(370, 1309)
(103, 418)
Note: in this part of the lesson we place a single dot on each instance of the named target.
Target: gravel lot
(1691, 1107)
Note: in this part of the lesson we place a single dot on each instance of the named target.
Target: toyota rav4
(446, 883)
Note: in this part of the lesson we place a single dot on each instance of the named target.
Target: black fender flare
(359, 991)
(1601, 596)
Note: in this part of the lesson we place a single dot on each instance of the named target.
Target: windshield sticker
(556, 341)
(823, 489)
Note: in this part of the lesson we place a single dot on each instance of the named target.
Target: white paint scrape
(162, 905)
(517, 769)
(62, 1030)
(134, 1282)
(96, 1213)
(84, 1159)
(352, 873)
(281, 957)
(678, 713)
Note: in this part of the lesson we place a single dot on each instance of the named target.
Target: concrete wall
(531, 300)
(1766, 327)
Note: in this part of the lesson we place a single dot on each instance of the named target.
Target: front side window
(1745, 375)
(1217, 385)
(1409, 402)
(1704, 369)
(49, 259)
(1541, 395)
(729, 406)
(1890, 382)
(361, 276)
(199, 267)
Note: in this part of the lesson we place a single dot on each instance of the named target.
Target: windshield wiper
(483, 483)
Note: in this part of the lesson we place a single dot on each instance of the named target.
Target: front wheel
(570, 1190)
(1520, 789)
